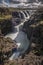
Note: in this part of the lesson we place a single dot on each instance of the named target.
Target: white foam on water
(22, 41)
(23, 44)
(12, 35)
(14, 56)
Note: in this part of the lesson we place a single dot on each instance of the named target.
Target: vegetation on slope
(5, 14)
(6, 48)
(34, 30)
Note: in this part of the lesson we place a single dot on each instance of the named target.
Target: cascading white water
(27, 15)
(23, 44)
(21, 40)
(20, 37)
(23, 14)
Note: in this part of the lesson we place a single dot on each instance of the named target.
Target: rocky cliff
(34, 30)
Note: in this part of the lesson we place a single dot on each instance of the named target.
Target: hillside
(34, 30)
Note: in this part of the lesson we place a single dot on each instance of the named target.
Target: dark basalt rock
(34, 29)
(6, 26)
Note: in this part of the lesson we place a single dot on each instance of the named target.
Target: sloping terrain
(34, 30)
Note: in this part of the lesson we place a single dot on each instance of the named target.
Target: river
(21, 39)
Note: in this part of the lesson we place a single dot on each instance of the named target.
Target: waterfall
(21, 39)
(15, 55)
(26, 14)
(23, 14)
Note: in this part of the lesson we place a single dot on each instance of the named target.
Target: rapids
(21, 40)
(18, 35)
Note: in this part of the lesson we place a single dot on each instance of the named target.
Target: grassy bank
(5, 14)
(5, 17)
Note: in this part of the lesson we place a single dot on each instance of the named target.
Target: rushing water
(20, 37)
(21, 40)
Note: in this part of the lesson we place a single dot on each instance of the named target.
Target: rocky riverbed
(34, 30)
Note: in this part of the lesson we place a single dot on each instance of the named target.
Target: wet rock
(34, 28)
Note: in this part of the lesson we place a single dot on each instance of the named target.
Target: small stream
(21, 40)
(20, 37)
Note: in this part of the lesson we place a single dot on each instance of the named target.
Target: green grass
(5, 17)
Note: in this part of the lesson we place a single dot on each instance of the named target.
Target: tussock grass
(5, 17)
